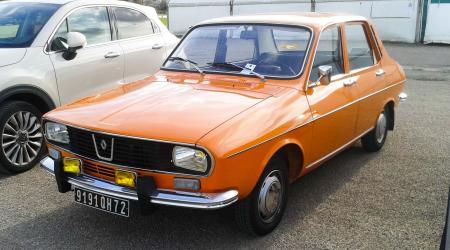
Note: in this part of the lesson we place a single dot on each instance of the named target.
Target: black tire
(28, 137)
(375, 139)
(247, 213)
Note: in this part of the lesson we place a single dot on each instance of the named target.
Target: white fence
(396, 20)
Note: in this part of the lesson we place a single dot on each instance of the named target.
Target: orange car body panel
(241, 120)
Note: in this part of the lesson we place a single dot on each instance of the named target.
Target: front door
(97, 67)
(332, 106)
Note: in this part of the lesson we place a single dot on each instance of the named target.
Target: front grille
(103, 172)
(128, 152)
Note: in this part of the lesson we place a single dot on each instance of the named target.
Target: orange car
(241, 108)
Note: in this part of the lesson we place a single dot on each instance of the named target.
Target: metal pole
(313, 5)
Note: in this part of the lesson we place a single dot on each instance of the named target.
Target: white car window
(93, 22)
(132, 23)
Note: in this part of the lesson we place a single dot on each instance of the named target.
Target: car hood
(158, 108)
(11, 56)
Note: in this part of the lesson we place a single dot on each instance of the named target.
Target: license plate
(102, 202)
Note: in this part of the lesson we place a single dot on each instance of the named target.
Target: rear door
(332, 105)
(141, 41)
(365, 68)
(97, 67)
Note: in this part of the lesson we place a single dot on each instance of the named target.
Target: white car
(53, 52)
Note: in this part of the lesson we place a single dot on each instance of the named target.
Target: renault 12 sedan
(53, 52)
(241, 108)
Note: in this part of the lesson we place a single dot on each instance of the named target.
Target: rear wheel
(262, 211)
(21, 138)
(375, 139)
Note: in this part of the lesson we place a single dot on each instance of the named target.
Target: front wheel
(262, 211)
(375, 139)
(21, 138)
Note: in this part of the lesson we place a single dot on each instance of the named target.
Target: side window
(93, 22)
(328, 52)
(131, 23)
(360, 54)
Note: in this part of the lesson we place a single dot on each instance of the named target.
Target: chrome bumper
(162, 196)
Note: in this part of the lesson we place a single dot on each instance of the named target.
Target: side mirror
(75, 41)
(324, 78)
(325, 74)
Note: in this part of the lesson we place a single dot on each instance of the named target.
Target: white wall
(184, 13)
(395, 19)
(438, 23)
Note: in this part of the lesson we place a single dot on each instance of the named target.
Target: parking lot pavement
(392, 199)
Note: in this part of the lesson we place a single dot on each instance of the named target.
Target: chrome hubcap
(380, 131)
(270, 197)
(21, 138)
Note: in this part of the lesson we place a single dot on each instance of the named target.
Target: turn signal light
(125, 178)
(72, 166)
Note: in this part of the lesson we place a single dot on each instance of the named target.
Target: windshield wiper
(235, 66)
(192, 63)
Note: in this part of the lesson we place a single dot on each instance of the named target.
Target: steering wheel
(271, 59)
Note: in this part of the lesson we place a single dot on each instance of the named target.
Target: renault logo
(104, 147)
(103, 144)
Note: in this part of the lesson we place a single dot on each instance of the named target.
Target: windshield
(21, 22)
(265, 50)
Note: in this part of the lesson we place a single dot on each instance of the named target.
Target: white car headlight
(189, 158)
(57, 132)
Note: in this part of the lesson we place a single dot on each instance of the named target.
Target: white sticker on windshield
(250, 66)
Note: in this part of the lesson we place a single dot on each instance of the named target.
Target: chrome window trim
(47, 44)
(315, 119)
(136, 138)
(302, 69)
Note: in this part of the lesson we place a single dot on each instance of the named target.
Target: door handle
(157, 46)
(380, 72)
(349, 82)
(112, 55)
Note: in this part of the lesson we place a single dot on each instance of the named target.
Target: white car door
(141, 41)
(97, 67)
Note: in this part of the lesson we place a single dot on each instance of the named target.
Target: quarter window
(360, 54)
(328, 52)
(131, 23)
(92, 22)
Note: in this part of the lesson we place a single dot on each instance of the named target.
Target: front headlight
(189, 158)
(57, 132)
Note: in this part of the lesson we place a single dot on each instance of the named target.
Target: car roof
(309, 19)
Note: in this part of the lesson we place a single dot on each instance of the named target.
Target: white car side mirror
(75, 41)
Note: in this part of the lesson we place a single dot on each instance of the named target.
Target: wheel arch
(30, 94)
(390, 107)
(291, 152)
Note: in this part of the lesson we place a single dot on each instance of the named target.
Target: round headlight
(57, 132)
(189, 158)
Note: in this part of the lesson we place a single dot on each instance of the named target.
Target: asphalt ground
(395, 198)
